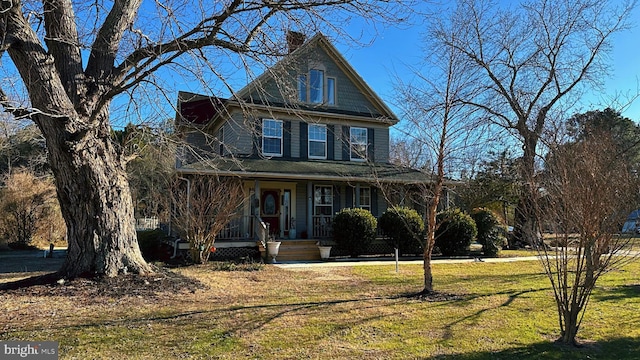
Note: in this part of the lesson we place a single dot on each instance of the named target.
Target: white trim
(335, 90)
(309, 140)
(366, 144)
(329, 205)
(281, 137)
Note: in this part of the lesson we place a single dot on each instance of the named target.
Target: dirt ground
(18, 265)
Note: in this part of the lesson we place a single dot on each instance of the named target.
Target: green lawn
(504, 311)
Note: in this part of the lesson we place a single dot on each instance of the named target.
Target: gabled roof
(320, 40)
(200, 110)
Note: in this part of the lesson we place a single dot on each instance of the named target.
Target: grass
(506, 311)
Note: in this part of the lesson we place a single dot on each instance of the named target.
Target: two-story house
(308, 138)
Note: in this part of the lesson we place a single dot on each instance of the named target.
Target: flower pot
(272, 249)
(325, 252)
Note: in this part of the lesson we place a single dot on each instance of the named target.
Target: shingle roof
(310, 170)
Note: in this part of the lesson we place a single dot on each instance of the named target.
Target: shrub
(491, 233)
(455, 232)
(354, 230)
(403, 228)
(152, 245)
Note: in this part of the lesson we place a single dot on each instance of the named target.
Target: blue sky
(394, 48)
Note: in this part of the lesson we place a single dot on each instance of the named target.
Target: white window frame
(360, 204)
(331, 96)
(304, 84)
(352, 144)
(309, 129)
(264, 136)
(316, 204)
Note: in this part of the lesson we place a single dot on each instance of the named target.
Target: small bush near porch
(354, 230)
(502, 311)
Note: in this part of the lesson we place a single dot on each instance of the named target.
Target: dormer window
(316, 88)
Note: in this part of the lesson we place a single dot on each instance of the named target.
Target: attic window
(316, 88)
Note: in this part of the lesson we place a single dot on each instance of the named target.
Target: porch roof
(328, 170)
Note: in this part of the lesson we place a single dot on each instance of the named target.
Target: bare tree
(440, 125)
(203, 206)
(531, 58)
(27, 207)
(586, 193)
(75, 59)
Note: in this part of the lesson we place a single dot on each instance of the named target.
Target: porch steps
(298, 250)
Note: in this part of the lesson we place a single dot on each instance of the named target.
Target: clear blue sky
(394, 48)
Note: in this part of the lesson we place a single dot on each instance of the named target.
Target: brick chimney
(295, 40)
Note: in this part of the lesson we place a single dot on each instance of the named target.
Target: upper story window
(272, 137)
(358, 143)
(316, 88)
(317, 141)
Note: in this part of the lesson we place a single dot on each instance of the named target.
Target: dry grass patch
(360, 312)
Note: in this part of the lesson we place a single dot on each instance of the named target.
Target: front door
(270, 210)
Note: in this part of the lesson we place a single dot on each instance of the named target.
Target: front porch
(241, 231)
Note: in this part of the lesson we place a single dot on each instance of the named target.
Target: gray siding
(283, 89)
(381, 144)
(295, 139)
(238, 135)
(382, 203)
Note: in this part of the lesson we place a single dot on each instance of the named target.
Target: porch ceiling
(308, 170)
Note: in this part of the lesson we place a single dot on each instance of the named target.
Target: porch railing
(322, 226)
(237, 229)
(149, 223)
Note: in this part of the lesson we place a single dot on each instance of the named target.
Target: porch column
(309, 210)
(256, 204)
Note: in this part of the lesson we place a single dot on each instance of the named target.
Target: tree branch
(63, 44)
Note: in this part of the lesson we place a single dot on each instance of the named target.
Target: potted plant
(325, 250)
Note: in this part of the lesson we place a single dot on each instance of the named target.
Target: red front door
(270, 210)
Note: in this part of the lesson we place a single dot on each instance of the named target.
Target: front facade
(307, 138)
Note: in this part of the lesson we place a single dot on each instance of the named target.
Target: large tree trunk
(90, 175)
(96, 203)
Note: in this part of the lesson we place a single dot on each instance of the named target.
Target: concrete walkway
(391, 262)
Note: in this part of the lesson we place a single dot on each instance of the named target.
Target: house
(308, 138)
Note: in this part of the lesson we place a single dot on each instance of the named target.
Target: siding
(295, 139)
(381, 141)
(284, 88)
(238, 136)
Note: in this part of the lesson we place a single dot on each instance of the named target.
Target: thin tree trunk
(526, 221)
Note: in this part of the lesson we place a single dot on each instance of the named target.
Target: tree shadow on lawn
(257, 316)
(614, 349)
(618, 293)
